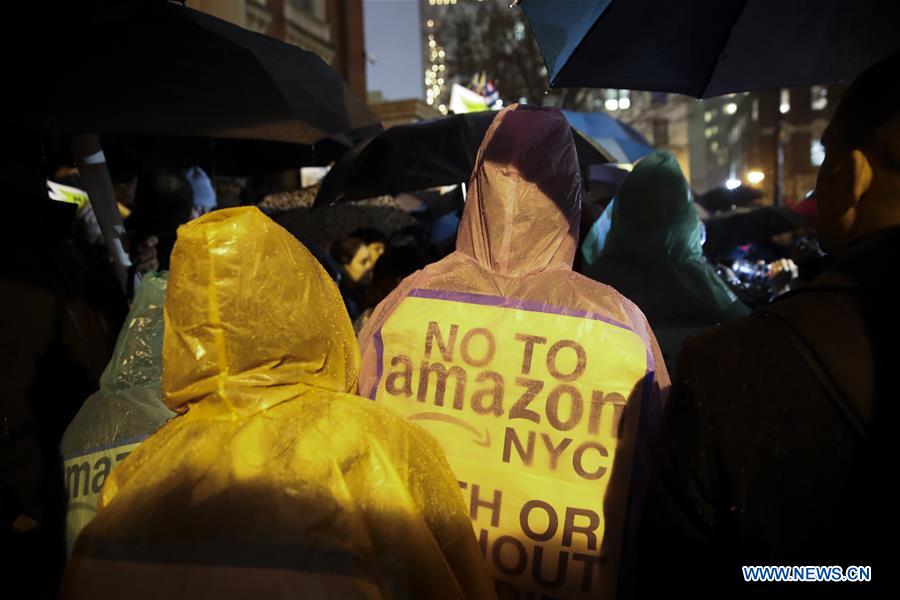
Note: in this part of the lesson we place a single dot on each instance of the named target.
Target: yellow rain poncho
(274, 481)
(542, 386)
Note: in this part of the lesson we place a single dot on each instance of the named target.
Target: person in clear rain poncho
(542, 385)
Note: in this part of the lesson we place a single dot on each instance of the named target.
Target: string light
(435, 86)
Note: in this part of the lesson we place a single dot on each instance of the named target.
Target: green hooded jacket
(653, 255)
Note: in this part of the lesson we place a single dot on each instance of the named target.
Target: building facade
(661, 118)
(769, 139)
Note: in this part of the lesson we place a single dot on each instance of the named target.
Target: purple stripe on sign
(504, 302)
(379, 353)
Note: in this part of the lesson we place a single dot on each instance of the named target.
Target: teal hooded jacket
(653, 255)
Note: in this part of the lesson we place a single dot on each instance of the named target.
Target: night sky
(394, 39)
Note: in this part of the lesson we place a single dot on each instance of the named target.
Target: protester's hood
(137, 359)
(202, 187)
(524, 202)
(653, 217)
(252, 319)
(511, 277)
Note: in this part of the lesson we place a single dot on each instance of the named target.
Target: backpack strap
(799, 326)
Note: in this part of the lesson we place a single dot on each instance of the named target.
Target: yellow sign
(85, 476)
(67, 193)
(537, 408)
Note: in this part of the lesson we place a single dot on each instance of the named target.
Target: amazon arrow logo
(481, 440)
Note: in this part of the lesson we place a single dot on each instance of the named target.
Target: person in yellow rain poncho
(274, 481)
(543, 386)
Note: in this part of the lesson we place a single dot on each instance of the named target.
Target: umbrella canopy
(748, 226)
(223, 156)
(160, 68)
(418, 156)
(706, 48)
(723, 199)
(620, 139)
(230, 157)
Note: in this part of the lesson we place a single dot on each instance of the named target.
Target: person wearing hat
(204, 192)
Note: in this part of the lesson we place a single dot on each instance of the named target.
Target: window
(714, 146)
(816, 153)
(819, 97)
(730, 108)
(785, 106)
(754, 110)
(660, 132)
(711, 131)
(519, 32)
(612, 99)
(709, 115)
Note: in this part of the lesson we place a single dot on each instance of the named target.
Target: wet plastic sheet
(542, 386)
(529, 403)
(127, 409)
(273, 481)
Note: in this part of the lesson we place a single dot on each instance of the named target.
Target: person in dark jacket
(164, 200)
(773, 449)
(60, 312)
(653, 255)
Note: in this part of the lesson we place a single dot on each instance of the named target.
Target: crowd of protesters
(750, 428)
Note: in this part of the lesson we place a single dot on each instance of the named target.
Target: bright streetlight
(754, 177)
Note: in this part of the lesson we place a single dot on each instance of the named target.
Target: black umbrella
(724, 199)
(152, 67)
(706, 48)
(418, 156)
(748, 226)
(159, 68)
(224, 156)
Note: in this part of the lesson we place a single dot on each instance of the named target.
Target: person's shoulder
(359, 413)
(598, 288)
(740, 345)
(725, 333)
(608, 300)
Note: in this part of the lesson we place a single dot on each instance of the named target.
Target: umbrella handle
(98, 184)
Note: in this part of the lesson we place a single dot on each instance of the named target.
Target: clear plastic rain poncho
(543, 386)
(128, 408)
(274, 480)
